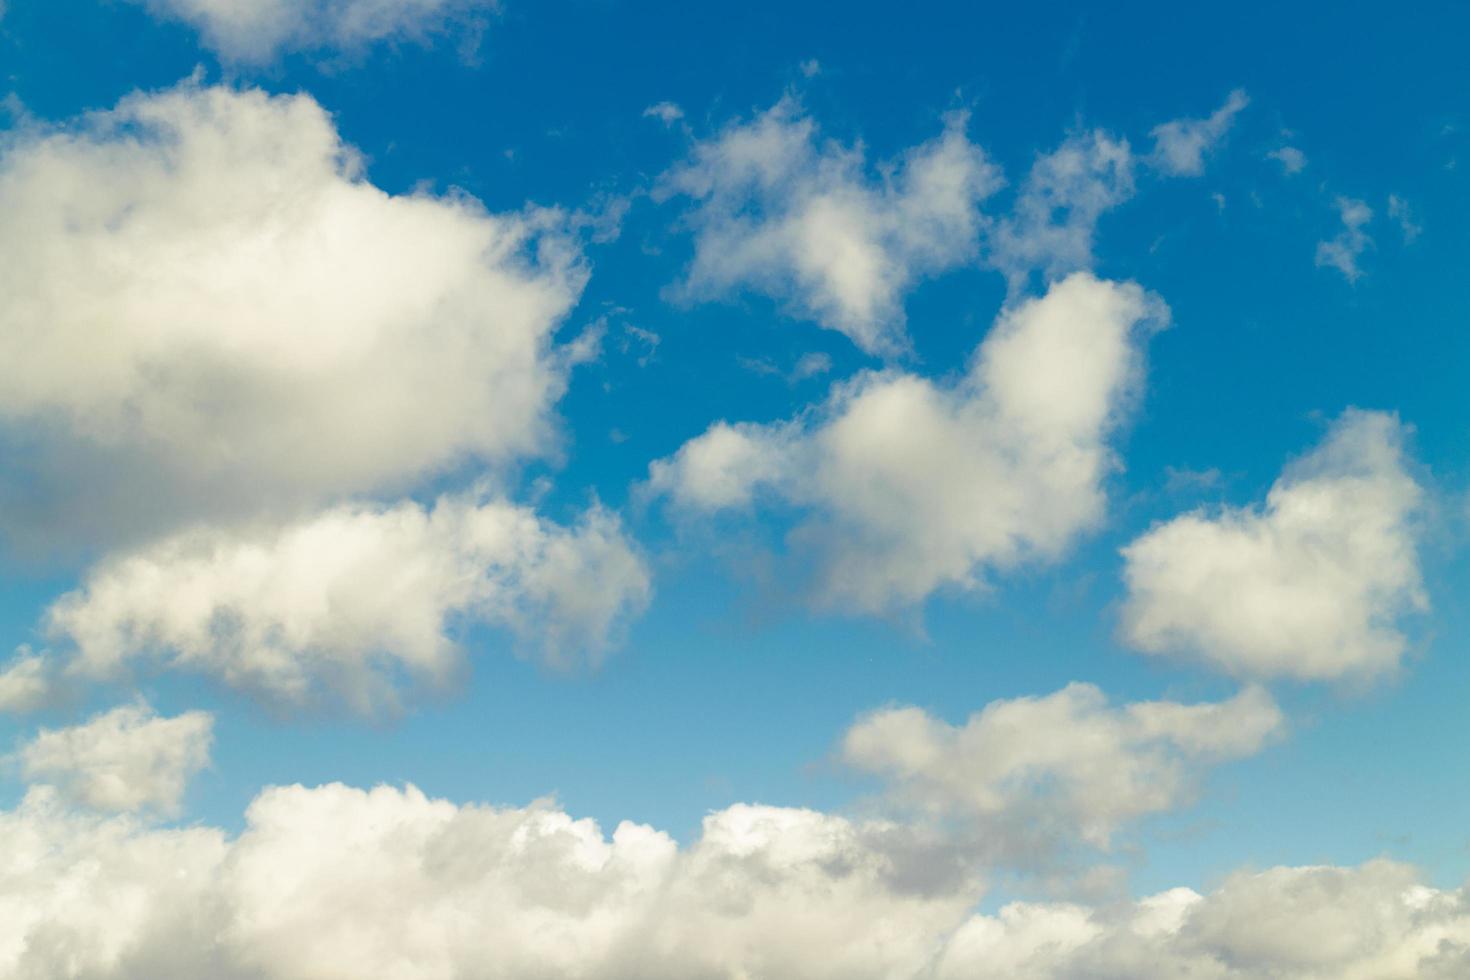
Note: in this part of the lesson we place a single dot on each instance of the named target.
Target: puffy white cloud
(337, 882)
(1310, 586)
(258, 30)
(1062, 766)
(1344, 250)
(354, 600)
(1054, 218)
(1373, 922)
(1181, 145)
(908, 485)
(206, 310)
(127, 759)
(779, 212)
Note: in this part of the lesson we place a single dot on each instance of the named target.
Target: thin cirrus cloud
(125, 760)
(906, 486)
(1312, 585)
(354, 604)
(336, 881)
(262, 327)
(258, 31)
(1061, 768)
(777, 210)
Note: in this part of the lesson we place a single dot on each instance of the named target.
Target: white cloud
(1055, 215)
(256, 31)
(1310, 586)
(25, 683)
(908, 486)
(354, 601)
(1373, 922)
(127, 759)
(205, 310)
(1344, 250)
(782, 213)
(336, 882)
(1292, 160)
(1066, 765)
(1181, 145)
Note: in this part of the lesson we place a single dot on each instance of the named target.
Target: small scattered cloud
(781, 212)
(1343, 251)
(665, 112)
(1181, 145)
(1399, 210)
(1293, 161)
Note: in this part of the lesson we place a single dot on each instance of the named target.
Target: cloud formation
(126, 760)
(1065, 766)
(354, 602)
(1343, 250)
(336, 882)
(1372, 922)
(206, 311)
(1181, 145)
(1054, 219)
(1310, 586)
(780, 212)
(257, 31)
(906, 486)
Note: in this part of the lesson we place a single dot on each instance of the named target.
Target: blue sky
(593, 400)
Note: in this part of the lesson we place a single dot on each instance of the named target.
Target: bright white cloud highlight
(259, 30)
(780, 212)
(1344, 250)
(908, 485)
(1311, 586)
(126, 760)
(1066, 765)
(1181, 145)
(205, 309)
(355, 601)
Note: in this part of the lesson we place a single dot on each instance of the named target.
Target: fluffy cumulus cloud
(128, 759)
(907, 485)
(1066, 765)
(205, 310)
(777, 210)
(1181, 145)
(353, 600)
(1312, 585)
(258, 30)
(1373, 922)
(335, 882)
(1054, 218)
(1342, 251)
